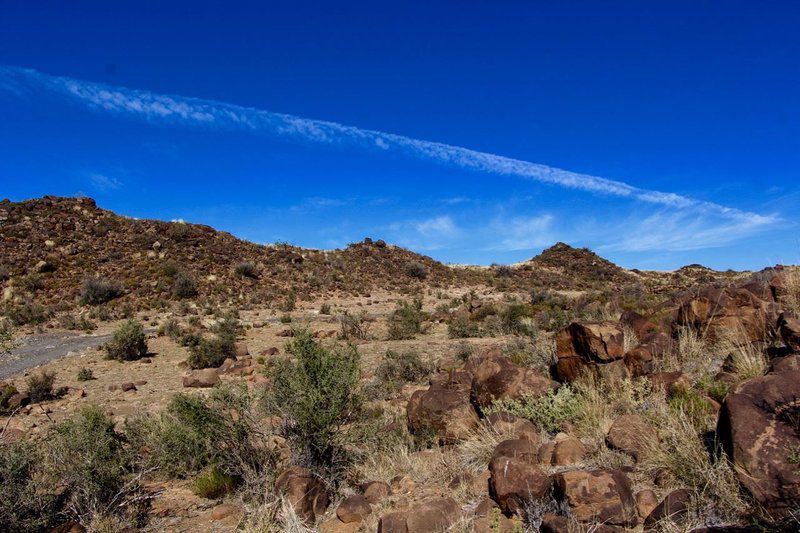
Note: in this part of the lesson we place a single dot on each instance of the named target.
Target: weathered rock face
(725, 312)
(631, 434)
(598, 496)
(305, 492)
(523, 449)
(496, 377)
(515, 482)
(588, 346)
(354, 508)
(790, 332)
(375, 491)
(567, 450)
(430, 516)
(759, 427)
(674, 508)
(444, 408)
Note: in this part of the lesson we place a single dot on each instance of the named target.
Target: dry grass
(475, 453)
(629, 338)
(748, 358)
(791, 295)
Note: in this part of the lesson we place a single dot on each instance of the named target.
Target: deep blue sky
(697, 98)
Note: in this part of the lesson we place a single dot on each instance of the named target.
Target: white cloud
(104, 183)
(521, 233)
(438, 226)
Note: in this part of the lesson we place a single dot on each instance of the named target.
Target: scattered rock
(205, 378)
(673, 508)
(496, 377)
(515, 482)
(305, 492)
(354, 508)
(444, 407)
(430, 516)
(566, 451)
(375, 491)
(220, 512)
(590, 346)
(598, 496)
(646, 501)
(523, 449)
(512, 426)
(125, 387)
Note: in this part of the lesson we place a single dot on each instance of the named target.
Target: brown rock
(598, 496)
(375, 491)
(223, 511)
(334, 525)
(270, 351)
(567, 451)
(125, 387)
(496, 377)
(790, 332)
(444, 407)
(485, 507)
(646, 501)
(430, 516)
(553, 523)
(545, 455)
(305, 492)
(757, 427)
(669, 380)
(631, 434)
(497, 523)
(205, 378)
(241, 349)
(673, 508)
(725, 312)
(587, 347)
(354, 508)
(522, 449)
(515, 482)
(512, 426)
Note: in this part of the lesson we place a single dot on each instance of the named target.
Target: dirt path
(42, 348)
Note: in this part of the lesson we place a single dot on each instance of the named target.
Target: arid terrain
(169, 377)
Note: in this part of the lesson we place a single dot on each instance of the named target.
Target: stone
(125, 387)
(270, 351)
(566, 451)
(375, 491)
(354, 508)
(506, 424)
(584, 346)
(597, 496)
(646, 501)
(306, 493)
(334, 525)
(204, 378)
(721, 313)
(496, 377)
(790, 332)
(515, 482)
(241, 349)
(444, 408)
(429, 516)
(523, 449)
(220, 512)
(757, 427)
(674, 508)
(631, 434)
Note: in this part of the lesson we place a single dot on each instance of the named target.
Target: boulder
(631, 434)
(375, 491)
(305, 492)
(241, 349)
(509, 425)
(790, 332)
(445, 407)
(522, 449)
(673, 508)
(640, 325)
(598, 496)
(567, 450)
(516, 482)
(204, 378)
(727, 312)
(758, 428)
(237, 367)
(496, 377)
(354, 508)
(584, 346)
(646, 501)
(429, 516)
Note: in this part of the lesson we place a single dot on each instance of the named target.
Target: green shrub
(74, 323)
(317, 393)
(549, 411)
(97, 291)
(85, 374)
(516, 319)
(214, 483)
(286, 318)
(128, 342)
(325, 308)
(184, 285)
(211, 353)
(247, 270)
(6, 337)
(172, 329)
(415, 269)
(353, 326)
(461, 327)
(695, 407)
(399, 368)
(40, 386)
(24, 507)
(26, 313)
(406, 320)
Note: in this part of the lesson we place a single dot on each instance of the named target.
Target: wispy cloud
(102, 182)
(438, 226)
(182, 111)
(522, 233)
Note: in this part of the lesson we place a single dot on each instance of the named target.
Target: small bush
(549, 411)
(211, 353)
(463, 351)
(397, 369)
(96, 291)
(26, 313)
(406, 320)
(325, 308)
(415, 269)
(247, 270)
(353, 326)
(286, 318)
(23, 506)
(128, 342)
(214, 484)
(85, 374)
(74, 323)
(461, 327)
(184, 285)
(172, 329)
(516, 319)
(40, 386)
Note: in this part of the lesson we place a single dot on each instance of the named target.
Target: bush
(26, 313)
(247, 270)
(516, 319)
(85, 374)
(214, 484)
(73, 323)
(549, 411)
(461, 327)
(406, 320)
(353, 326)
(96, 291)
(40, 386)
(286, 318)
(184, 285)
(6, 338)
(211, 353)
(316, 394)
(128, 342)
(399, 368)
(23, 507)
(415, 269)
(325, 308)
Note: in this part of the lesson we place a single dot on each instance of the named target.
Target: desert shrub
(128, 342)
(286, 318)
(415, 269)
(747, 359)
(692, 405)
(96, 291)
(85, 374)
(214, 483)
(353, 326)
(172, 329)
(211, 353)
(5, 273)
(549, 411)
(790, 296)
(289, 302)
(316, 393)
(538, 351)
(27, 312)
(463, 351)
(31, 282)
(184, 285)
(398, 368)
(6, 337)
(73, 323)
(406, 320)
(716, 390)
(461, 327)
(502, 271)
(40, 386)
(325, 308)
(88, 458)
(23, 506)
(247, 270)
(516, 319)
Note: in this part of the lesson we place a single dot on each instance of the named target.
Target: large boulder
(673, 508)
(430, 516)
(204, 378)
(758, 427)
(354, 508)
(598, 496)
(721, 313)
(790, 332)
(445, 407)
(595, 347)
(305, 492)
(496, 377)
(515, 482)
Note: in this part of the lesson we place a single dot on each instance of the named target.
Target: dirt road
(42, 348)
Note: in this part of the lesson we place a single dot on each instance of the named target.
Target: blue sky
(658, 134)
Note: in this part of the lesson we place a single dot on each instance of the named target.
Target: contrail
(183, 111)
